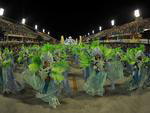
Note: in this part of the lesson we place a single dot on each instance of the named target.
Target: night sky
(73, 18)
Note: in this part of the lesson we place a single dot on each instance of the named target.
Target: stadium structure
(14, 33)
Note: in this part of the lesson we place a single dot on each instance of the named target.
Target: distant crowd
(16, 29)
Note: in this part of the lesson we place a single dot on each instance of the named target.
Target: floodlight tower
(137, 14)
(93, 32)
(43, 30)
(113, 22)
(100, 28)
(36, 27)
(1, 11)
(23, 21)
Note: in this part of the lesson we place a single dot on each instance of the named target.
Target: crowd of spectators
(17, 33)
(16, 29)
(129, 28)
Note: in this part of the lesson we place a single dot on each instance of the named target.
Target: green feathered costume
(95, 83)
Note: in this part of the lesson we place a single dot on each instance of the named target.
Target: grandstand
(127, 33)
(16, 33)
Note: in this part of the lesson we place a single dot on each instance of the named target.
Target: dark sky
(73, 17)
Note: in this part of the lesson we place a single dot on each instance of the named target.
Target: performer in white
(70, 41)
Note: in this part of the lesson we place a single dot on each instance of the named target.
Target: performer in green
(114, 70)
(95, 83)
(10, 85)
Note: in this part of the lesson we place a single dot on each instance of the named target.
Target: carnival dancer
(114, 69)
(10, 85)
(86, 61)
(61, 57)
(140, 72)
(95, 83)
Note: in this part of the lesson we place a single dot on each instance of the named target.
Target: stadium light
(23, 21)
(36, 27)
(48, 33)
(93, 32)
(1, 11)
(43, 30)
(113, 22)
(100, 28)
(137, 13)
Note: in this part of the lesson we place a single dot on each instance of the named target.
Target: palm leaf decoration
(131, 55)
(35, 65)
(108, 53)
(7, 60)
(22, 54)
(33, 68)
(95, 44)
(36, 60)
(75, 49)
(146, 59)
(57, 70)
(85, 59)
(47, 47)
(6, 63)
